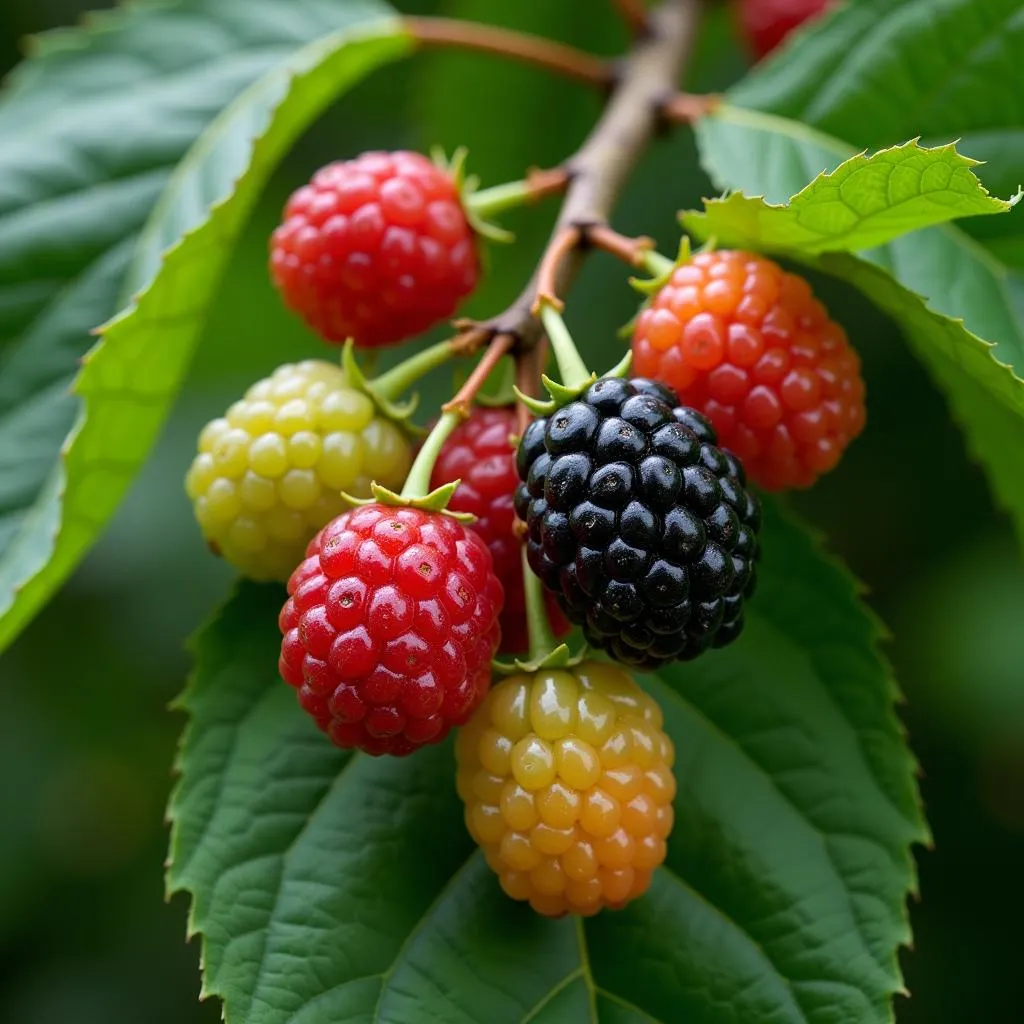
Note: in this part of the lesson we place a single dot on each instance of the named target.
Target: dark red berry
(749, 346)
(480, 454)
(766, 23)
(638, 522)
(390, 627)
(377, 249)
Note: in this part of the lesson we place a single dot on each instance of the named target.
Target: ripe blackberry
(377, 249)
(390, 627)
(480, 454)
(766, 23)
(748, 345)
(270, 472)
(638, 522)
(567, 781)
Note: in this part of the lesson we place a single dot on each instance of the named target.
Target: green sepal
(561, 395)
(650, 286)
(436, 501)
(560, 657)
(467, 185)
(398, 412)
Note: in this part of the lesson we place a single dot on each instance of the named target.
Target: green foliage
(328, 885)
(848, 84)
(77, 199)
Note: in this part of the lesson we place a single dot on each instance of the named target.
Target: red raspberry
(390, 628)
(766, 23)
(480, 455)
(750, 347)
(377, 249)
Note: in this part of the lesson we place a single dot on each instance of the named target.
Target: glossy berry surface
(390, 627)
(566, 777)
(480, 454)
(377, 249)
(749, 346)
(638, 522)
(766, 23)
(270, 472)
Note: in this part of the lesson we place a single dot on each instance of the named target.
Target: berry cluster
(750, 347)
(480, 454)
(567, 781)
(377, 249)
(630, 496)
(390, 627)
(270, 472)
(638, 522)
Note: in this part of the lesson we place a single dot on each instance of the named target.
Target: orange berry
(748, 345)
(571, 814)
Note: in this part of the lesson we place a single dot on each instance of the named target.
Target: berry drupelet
(390, 627)
(480, 454)
(749, 346)
(638, 522)
(566, 777)
(378, 249)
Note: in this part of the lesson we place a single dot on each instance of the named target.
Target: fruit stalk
(603, 164)
(417, 483)
(537, 184)
(394, 383)
(467, 35)
(542, 637)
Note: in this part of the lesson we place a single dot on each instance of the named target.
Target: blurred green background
(86, 737)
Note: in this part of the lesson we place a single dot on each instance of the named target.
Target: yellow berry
(270, 473)
(566, 777)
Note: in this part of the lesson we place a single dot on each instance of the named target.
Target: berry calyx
(390, 627)
(638, 522)
(766, 23)
(566, 777)
(480, 453)
(749, 346)
(270, 472)
(378, 249)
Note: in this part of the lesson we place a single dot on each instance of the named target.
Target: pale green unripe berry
(270, 472)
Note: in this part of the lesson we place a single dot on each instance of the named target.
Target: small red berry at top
(749, 346)
(766, 23)
(377, 249)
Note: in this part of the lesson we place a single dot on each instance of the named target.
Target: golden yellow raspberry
(566, 776)
(270, 472)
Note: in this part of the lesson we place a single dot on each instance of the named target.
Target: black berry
(638, 522)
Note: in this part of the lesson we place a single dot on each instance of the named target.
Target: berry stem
(536, 185)
(656, 264)
(417, 483)
(542, 638)
(463, 398)
(571, 368)
(688, 108)
(544, 53)
(630, 250)
(647, 77)
(394, 383)
(633, 13)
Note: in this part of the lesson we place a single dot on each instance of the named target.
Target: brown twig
(547, 273)
(629, 250)
(461, 401)
(547, 181)
(602, 165)
(687, 108)
(529, 366)
(545, 53)
(634, 14)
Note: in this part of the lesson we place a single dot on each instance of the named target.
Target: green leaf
(865, 202)
(961, 309)
(80, 219)
(332, 886)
